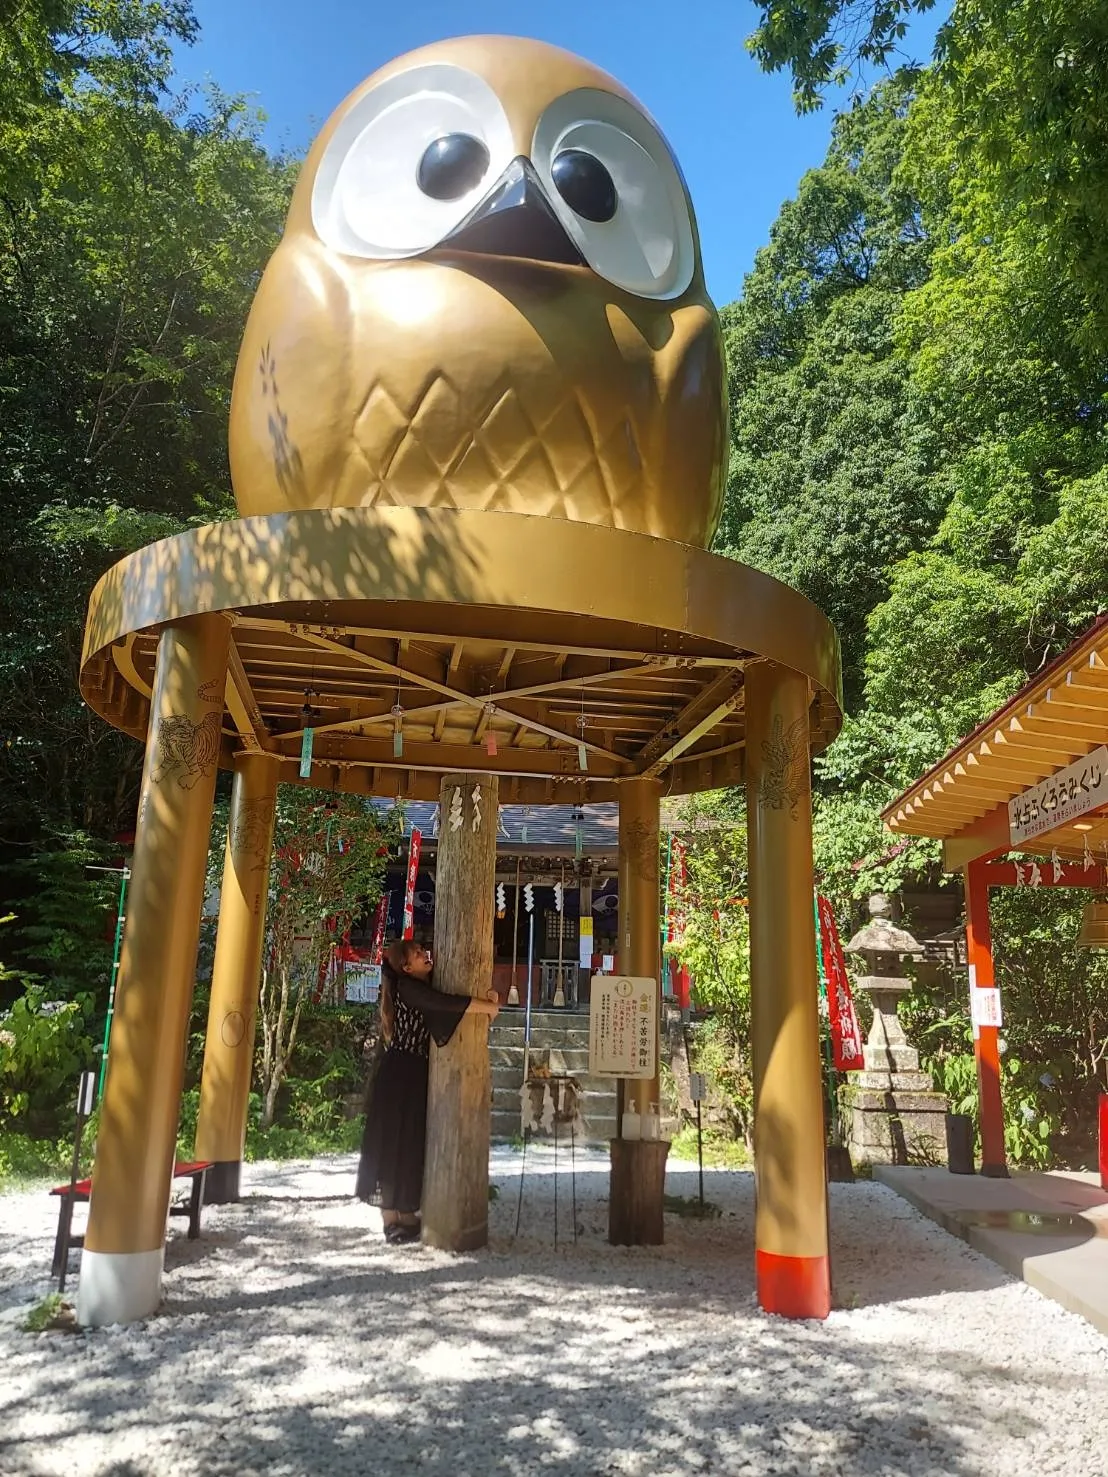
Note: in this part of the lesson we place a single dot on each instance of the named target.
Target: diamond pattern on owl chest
(537, 448)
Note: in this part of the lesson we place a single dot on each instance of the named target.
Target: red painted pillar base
(793, 1286)
(1104, 1140)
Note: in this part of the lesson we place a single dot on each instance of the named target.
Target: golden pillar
(121, 1265)
(236, 974)
(790, 1228)
(638, 1166)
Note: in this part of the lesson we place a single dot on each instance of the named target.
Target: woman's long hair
(393, 964)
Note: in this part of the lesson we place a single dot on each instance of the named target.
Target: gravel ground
(292, 1340)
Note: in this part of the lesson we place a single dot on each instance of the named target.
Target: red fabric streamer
(846, 1038)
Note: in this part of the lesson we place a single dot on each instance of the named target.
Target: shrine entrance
(1031, 780)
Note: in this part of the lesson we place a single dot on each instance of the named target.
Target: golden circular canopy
(563, 657)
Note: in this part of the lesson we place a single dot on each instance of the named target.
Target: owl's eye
(585, 185)
(617, 190)
(408, 161)
(452, 166)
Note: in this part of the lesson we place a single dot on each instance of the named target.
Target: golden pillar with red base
(790, 1228)
(236, 975)
(121, 1266)
(635, 1201)
(986, 1044)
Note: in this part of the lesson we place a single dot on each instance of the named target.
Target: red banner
(380, 919)
(846, 1038)
(415, 845)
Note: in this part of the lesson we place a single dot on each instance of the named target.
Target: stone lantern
(894, 1114)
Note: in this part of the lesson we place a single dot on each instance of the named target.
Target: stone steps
(564, 1032)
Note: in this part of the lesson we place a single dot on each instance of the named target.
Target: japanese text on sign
(1081, 786)
(623, 1026)
(985, 1007)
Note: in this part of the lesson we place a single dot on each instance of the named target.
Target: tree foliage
(133, 228)
(959, 538)
(329, 858)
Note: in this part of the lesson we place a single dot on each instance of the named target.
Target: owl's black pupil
(585, 185)
(452, 165)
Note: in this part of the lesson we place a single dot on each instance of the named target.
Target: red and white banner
(846, 1038)
(415, 845)
(380, 919)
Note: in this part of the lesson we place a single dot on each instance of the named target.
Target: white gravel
(292, 1340)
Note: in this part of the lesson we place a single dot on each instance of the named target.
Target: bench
(71, 1195)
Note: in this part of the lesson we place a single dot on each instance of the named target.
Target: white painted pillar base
(118, 1287)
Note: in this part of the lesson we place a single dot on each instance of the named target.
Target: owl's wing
(291, 410)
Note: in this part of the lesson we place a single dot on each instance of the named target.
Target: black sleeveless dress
(390, 1172)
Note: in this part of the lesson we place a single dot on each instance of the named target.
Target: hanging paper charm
(529, 898)
(501, 900)
(558, 896)
(456, 810)
(476, 798)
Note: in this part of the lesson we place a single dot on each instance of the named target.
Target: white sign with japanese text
(363, 983)
(985, 1007)
(1081, 786)
(623, 1026)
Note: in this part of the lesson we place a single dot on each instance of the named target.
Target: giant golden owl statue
(489, 295)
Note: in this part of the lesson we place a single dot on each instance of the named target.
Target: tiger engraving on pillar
(785, 777)
(251, 831)
(186, 750)
(642, 851)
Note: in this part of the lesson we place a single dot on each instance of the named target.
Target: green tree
(329, 859)
(832, 473)
(133, 229)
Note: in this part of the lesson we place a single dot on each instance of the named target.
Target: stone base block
(894, 1128)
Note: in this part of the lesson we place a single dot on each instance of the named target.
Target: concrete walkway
(1049, 1229)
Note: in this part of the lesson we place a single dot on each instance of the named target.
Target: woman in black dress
(413, 1012)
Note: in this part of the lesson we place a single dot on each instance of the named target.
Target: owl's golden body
(477, 380)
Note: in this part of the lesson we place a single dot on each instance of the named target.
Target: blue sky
(734, 130)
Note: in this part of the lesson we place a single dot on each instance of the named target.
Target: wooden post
(979, 950)
(792, 1265)
(456, 1176)
(635, 1216)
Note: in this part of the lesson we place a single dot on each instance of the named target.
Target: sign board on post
(1081, 786)
(985, 1007)
(415, 845)
(363, 983)
(86, 1094)
(623, 1026)
(697, 1090)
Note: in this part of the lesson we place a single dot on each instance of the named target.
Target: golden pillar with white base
(790, 1228)
(121, 1265)
(236, 975)
(635, 1215)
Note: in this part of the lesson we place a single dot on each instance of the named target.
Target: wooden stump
(636, 1192)
(456, 1176)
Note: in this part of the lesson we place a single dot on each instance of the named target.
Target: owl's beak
(515, 219)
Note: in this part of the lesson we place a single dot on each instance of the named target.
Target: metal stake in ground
(696, 1092)
(86, 1096)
